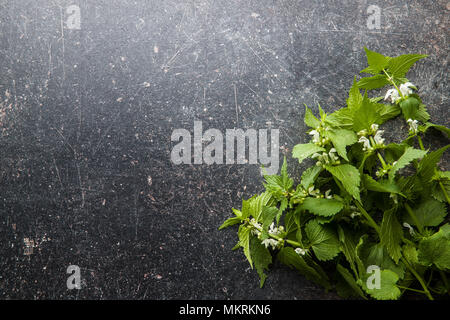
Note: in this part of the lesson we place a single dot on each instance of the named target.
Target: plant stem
(444, 278)
(444, 192)
(367, 216)
(420, 142)
(411, 289)
(393, 83)
(413, 217)
(418, 277)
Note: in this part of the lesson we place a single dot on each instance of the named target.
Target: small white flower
(316, 136)
(374, 127)
(327, 194)
(406, 88)
(411, 229)
(270, 243)
(300, 251)
(379, 140)
(275, 230)
(332, 154)
(313, 192)
(413, 125)
(393, 94)
(354, 214)
(315, 155)
(363, 133)
(366, 143)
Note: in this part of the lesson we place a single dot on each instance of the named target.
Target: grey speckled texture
(85, 168)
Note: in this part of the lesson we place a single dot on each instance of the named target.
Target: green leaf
(407, 157)
(368, 114)
(350, 280)
(436, 249)
(323, 240)
(354, 97)
(341, 138)
(286, 182)
(348, 175)
(430, 213)
(441, 128)
(411, 109)
(389, 111)
(388, 289)
(267, 217)
(310, 119)
(257, 203)
(391, 234)
(378, 255)
(375, 82)
(348, 246)
(310, 175)
(289, 257)
(377, 62)
(244, 242)
(230, 222)
(303, 151)
(342, 118)
(427, 167)
(381, 185)
(399, 66)
(322, 207)
(261, 257)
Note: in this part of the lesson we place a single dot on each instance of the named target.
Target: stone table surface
(87, 111)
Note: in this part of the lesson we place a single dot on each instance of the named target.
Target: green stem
(367, 216)
(420, 142)
(381, 160)
(418, 277)
(393, 83)
(444, 192)
(413, 217)
(411, 289)
(444, 278)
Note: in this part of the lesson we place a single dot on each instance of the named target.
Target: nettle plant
(368, 218)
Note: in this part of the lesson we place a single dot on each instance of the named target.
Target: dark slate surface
(86, 119)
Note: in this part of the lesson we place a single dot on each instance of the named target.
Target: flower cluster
(329, 157)
(318, 137)
(371, 144)
(413, 125)
(300, 251)
(405, 90)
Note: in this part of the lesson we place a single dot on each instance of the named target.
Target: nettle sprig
(355, 209)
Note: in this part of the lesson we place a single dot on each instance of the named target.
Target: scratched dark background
(86, 118)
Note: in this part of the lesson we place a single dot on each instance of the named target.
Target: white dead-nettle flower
(256, 232)
(300, 251)
(255, 223)
(355, 214)
(366, 143)
(275, 230)
(315, 136)
(270, 243)
(411, 229)
(413, 125)
(363, 133)
(379, 140)
(313, 192)
(332, 154)
(406, 88)
(374, 127)
(327, 194)
(393, 94)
